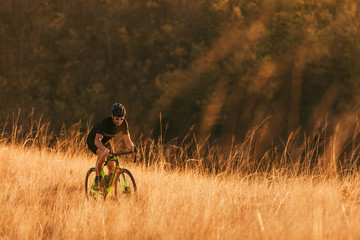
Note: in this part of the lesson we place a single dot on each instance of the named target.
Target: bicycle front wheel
(125, 184)
(89, 185)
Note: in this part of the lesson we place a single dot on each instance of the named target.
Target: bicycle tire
(125, 184)
(89, 181)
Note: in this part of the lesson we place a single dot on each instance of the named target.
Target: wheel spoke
(89, 184)
(125, 184)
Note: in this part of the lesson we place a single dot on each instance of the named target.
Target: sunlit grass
(43, 197)
(181, 193)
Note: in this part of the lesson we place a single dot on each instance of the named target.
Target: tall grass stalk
(314, 154)
(43, 198)
(186, 190)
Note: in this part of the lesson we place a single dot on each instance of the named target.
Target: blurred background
(214, 67)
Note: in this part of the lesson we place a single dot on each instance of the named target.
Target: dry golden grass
(42, 197)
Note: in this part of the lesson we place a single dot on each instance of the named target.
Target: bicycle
(120, 181)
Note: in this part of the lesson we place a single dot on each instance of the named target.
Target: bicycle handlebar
(123, 153)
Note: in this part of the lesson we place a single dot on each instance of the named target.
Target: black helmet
(118, 110)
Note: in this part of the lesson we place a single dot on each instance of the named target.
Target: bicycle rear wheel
(125, 185)
(89, 184)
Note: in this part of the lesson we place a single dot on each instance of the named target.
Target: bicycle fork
(126, 186)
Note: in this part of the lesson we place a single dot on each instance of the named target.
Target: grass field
(42, 197)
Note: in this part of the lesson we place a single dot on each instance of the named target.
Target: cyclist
(99, 137)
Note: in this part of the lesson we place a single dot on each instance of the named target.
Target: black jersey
(108, 129)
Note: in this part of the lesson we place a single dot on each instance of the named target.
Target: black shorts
(94, 148)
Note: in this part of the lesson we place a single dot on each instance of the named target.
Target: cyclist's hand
(135, 150)
(107, 153)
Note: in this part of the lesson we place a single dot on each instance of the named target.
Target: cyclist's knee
(111, 166)
(100, 154)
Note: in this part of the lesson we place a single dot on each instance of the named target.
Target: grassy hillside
(42, 197)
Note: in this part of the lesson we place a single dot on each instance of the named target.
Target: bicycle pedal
(99, 189)
(107, 179)
(126, 190)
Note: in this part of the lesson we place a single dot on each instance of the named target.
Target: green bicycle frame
(108, 190)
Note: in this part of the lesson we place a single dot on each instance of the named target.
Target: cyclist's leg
(98, 167)
(110, 165)
(100, 158)
(99, 161)
(94, 150)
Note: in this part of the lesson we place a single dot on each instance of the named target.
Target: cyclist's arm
(129, 144)
(99, 144)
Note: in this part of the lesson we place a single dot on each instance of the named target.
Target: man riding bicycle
(99, 137)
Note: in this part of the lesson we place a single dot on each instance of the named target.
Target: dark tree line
(221, 65)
